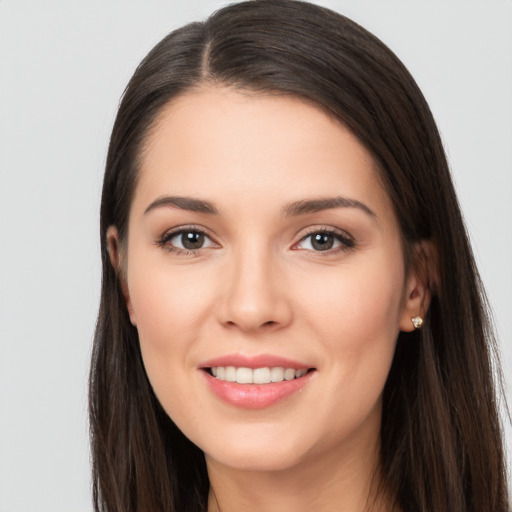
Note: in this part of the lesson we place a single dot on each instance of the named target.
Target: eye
(186, 240)
(324, 240)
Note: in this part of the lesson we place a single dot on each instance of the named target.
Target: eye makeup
(325, 240)
(190, 240)
(186, 241)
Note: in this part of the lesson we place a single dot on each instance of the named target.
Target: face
(265, 275)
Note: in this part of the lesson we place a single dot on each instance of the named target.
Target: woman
(291, 317)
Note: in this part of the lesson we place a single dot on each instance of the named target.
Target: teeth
(289, 374)
(277, 374)
(244, 376)
(261, 375)
(256, 375)
(230, 374)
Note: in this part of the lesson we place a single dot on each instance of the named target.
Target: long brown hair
(441, 444)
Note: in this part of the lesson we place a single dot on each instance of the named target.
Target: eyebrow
(317, 205)
(184, 203)
(296, 208)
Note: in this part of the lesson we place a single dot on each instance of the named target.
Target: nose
(254, 297)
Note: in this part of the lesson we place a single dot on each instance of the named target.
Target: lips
(257, 361)
(255, 382)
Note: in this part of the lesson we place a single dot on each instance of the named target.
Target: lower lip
(255, 396)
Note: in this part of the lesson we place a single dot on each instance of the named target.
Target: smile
(256, 381)
(265, 375)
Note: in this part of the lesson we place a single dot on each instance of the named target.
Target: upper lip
(256, 361)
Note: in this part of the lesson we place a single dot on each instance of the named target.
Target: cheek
(354, 320)
(357, 298)
(166, 298)
(356, 315)
(169, 306)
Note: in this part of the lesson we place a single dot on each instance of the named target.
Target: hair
(441, 444)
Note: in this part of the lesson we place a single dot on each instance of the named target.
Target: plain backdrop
(63, 67)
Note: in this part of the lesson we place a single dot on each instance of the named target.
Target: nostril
(270, 323)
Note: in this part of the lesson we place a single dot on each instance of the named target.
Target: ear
(118, 262)
(421, 282)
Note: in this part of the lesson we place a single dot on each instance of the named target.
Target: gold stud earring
(417, 321)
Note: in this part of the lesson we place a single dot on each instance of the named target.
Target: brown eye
(322, 241)
(183, 240)
(192, 240)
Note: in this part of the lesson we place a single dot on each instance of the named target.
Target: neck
(345, 482)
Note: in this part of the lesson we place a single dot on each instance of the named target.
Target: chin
(254, 460)
(259, 449)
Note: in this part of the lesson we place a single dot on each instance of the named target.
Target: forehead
(227, 143)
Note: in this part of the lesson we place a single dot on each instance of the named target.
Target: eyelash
(164, 240)
(346, 242)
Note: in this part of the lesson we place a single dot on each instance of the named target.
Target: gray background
(63, 67)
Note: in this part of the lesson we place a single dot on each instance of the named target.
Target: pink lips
(259, 361)
(254, 396)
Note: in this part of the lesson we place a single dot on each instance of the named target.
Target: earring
(417, 321)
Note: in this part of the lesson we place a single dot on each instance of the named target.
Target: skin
(258, 285)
